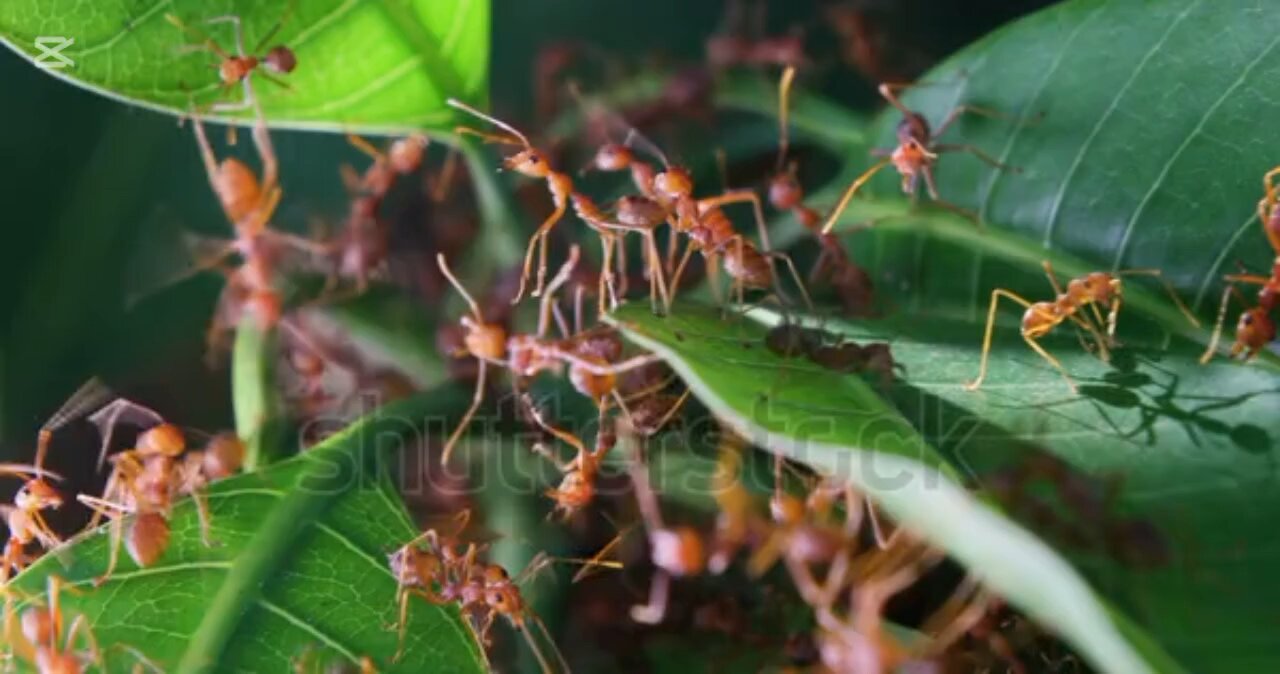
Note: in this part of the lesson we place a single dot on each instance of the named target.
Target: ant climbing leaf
(411, 56)
(299, 570)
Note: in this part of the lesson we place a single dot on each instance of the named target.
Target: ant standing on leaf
(24, 517)
(1092, 290)
(237, 69)
(916, 153)
(146, 479)
(1256, 327)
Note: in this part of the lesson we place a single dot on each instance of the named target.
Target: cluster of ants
(843, 572)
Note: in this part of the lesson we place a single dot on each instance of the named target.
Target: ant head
(594, 385)
(673, 183)
(910, 158)
(914, 128)
(505, 600)
(528, 162)
(634, 210)
(785, 192)
(236, 68)
(1254, 331)
(406, 154)
(147, 538)
(37, 625)
(679, 551)
(223, 456)
(238, 188)
(487, 341)
(37, 494)
(575, 491)
(495, 574)
(612, 157)
(163, 440)
(280, 59)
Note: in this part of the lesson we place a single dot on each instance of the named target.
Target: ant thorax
(1041, 317)
(528, 356)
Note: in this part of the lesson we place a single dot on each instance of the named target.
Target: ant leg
(366, 147)
(795, 276)
(1217, 326)
(887, 90)
(991, 323)
(539, 239)
(1052, 361)
(476, 399)
(850, 191)
(402, 622)
(266, 37)
(604, 286)
(973, 150)
(202, 515)
(80, 626)
(961, 110)
(561, 277)
(659, 590)
(116, 513)
(443, 184)
(656, 279)
(624, 281)
(679, 271)
(235, 27)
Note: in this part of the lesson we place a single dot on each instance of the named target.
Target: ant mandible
(1040, 318)
(916, 153)
(1255, 328)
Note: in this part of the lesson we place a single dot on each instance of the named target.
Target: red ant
(146, 478)
(1255, 328)
(527, 355)
(707, 226)
(1091, 290)
(363, 244)
(236, 69)
(733, 47)
(533, 163)
(24, 520)
(916, 153)
(438, 569)
(44, 643)
(851, 282)
(677, 551)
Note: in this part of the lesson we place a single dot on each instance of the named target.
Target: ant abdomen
(280, 59)
(147, 538)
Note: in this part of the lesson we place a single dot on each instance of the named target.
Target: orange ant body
(441, 571)
(736, 47)
(532, 163)
(702, 220)
(915, 155)
(236, 69)
(24, 517)
(363, 246)
(1092, 290)
(146, 479)
(527, 355)
(676, 552)
(1256, 327)
(40, 640)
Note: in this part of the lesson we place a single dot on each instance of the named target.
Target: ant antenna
(444, 269)
(643, 142)
(455, 103)
(784, 122)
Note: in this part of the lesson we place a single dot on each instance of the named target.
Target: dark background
(98, 193)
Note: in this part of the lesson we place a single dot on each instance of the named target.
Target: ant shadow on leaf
(1156, 394)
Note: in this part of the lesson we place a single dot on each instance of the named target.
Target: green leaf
(412, 55)
(1123, 162)
(255, 396)
(299, 566)
(839, 425)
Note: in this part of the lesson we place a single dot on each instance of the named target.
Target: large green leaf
(1140, 146)
(299, 567)
(371, 66)
(837, 423)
